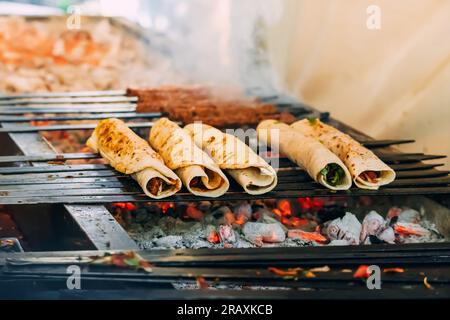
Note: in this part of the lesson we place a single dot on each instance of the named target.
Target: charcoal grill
(29, 183)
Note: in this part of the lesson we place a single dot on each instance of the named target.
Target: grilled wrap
(367, 170)
(128, 153)
(199, 173)
(320, 163)
(251, 171)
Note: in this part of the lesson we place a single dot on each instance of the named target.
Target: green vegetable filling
(333, 174)
(312, 120)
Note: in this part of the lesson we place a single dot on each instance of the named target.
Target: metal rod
(384, 143)
(96, 167)
(59, 100)
(85, 126)
(230, 196)
(132, 115)
(100, 110)
(107, 93)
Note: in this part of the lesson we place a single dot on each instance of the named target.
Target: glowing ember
(285, 207)
(201, 282)
(193, 213)
(229, 218)
(362, 272)
(393, 270)
(308, 203)
(277, 212)
(165, 206)
(291, 272)
(307, 236)
(393, 212)
(295, 222)
(213, 237)
(410, 229)
(240, 220)
(125, 205)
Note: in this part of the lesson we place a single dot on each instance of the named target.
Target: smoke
(219, 42)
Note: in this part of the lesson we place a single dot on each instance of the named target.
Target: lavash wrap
(128, 153)
(306, 152)
(251, 171)
(182, 155)
(356, 157)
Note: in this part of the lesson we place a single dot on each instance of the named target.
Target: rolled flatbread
(367, 170)
(128, 153)
(199, 173)
(320, 163)
(251, 171)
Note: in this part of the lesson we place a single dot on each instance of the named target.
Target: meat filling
(370, 176)
(155, 186)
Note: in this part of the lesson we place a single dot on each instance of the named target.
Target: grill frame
(206, 261)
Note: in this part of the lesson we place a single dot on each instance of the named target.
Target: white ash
(258, 233)
(346, 228)
(227, 234)
(261, 227)
(169, 242)
(387, 235)
(410, 216)
(372, 225)
(339, 243)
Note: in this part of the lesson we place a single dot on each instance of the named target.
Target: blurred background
(381, 66)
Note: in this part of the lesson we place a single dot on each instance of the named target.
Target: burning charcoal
(346, 228)
(374, 240)
(204, 206)
(307, 236)
(193, 213)
(266, 216)
(393, 212)
(229, 218)
(409, 216)
(141, 215)
(257, 233)
(219, 212)
(169, 242)
(243, 213)
(211, 235)
(227, 234)
(285, 207)
(330, 212)
(387, 235)
(372, 225)
(411, 229)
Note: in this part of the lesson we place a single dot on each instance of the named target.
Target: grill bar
(96, 167)
(60, 100)
(284, 162)
(64, 94)
(285, 176)
(61, 109)
(385, 143)
(24, 129)
(131, 115)
(91, 198)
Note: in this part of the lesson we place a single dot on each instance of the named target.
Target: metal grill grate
(101, 184)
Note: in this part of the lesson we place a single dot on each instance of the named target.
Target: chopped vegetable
(312, 120)
(333, 173)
